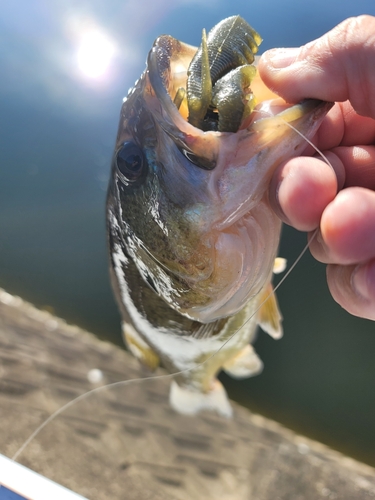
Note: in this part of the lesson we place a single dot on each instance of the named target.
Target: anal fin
(139, 348)
(269, 316)
(245, 364)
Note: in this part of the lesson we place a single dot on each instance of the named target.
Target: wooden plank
(126, 442)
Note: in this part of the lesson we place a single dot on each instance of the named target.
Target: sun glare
(95, 54)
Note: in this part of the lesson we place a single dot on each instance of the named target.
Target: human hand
(305, 191)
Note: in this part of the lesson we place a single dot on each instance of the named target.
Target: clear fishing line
(124, 383)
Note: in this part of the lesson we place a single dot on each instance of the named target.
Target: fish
(192, 238)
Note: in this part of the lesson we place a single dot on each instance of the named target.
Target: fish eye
(200, 162)
(130, 162)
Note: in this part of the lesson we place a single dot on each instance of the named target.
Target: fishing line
(83, 396)
(261, 111)
(311, 144)
(123, 383)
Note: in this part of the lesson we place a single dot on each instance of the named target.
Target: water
(58, 128)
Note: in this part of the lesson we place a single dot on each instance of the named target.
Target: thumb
(336, 67)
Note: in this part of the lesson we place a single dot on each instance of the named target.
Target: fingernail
(363, 280)
(281, 58)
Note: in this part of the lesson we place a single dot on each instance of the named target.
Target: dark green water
(57, 133)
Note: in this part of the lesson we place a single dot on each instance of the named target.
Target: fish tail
(190, 401)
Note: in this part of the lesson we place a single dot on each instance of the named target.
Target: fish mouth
(168, 64)
(231, 212)
(275, 130)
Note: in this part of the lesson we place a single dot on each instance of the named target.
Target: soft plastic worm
(231, 44)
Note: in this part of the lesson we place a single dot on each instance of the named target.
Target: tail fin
(190, 401)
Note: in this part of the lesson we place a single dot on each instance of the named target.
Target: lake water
(58, 121)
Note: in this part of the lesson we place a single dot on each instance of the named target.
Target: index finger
(339, 66)
(344, 127)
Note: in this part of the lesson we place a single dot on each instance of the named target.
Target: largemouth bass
(192, 237)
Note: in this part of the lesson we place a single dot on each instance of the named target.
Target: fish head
(192, 206)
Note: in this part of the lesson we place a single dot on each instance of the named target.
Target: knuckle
(353, 43)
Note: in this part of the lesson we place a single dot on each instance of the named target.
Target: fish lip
(211, 147)
(160, 75)
(163, 55)
(290, 113)
(159, 72)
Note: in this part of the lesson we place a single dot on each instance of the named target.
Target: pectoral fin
(138, 347)
(279, 265)
(269, 316)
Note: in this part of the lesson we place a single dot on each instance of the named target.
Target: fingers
(353, 287)
(359, 164)
(347, 228)
(336, 67)
(344, 127)
(357, 129)
(301, 189)
(302, 194)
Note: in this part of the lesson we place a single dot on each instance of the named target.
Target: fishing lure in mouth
(192, 236)
(218, 88)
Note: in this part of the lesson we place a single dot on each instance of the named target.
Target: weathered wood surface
(127, 443)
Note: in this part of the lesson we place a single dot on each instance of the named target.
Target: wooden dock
(125, 442)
